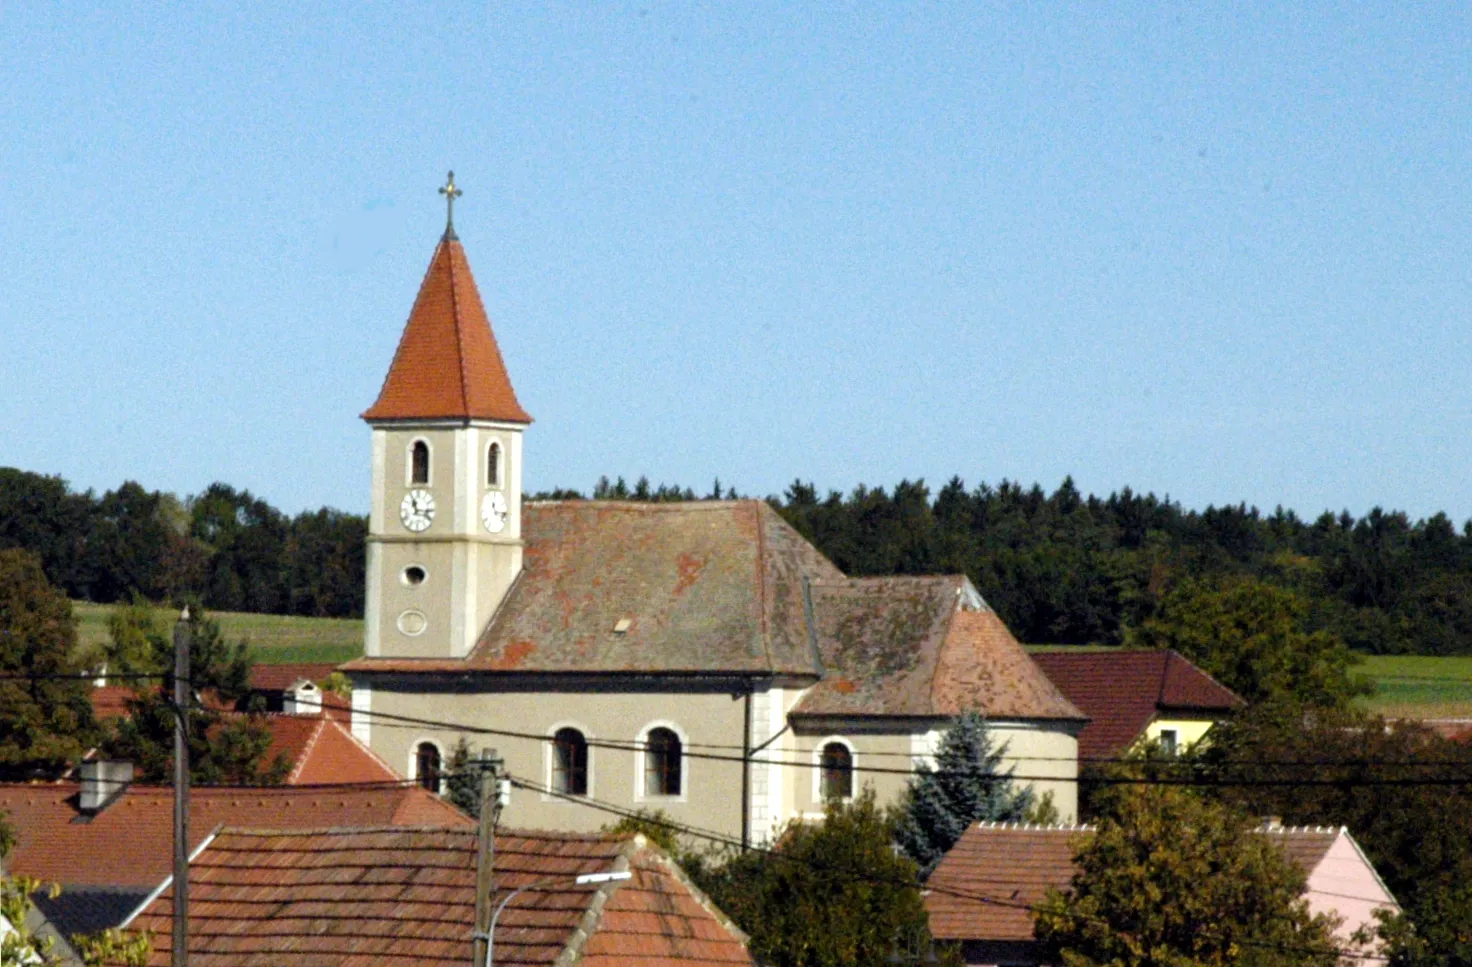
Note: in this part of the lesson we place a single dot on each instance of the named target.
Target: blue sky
(1216, 252)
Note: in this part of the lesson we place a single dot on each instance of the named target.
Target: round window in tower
(414, 575)
(413, 623)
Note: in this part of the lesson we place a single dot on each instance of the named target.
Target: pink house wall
(1344, 883)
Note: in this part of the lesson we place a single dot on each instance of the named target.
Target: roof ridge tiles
(377, 829)
(1037, 827)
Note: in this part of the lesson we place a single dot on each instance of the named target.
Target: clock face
(416, 510)
(493, 511)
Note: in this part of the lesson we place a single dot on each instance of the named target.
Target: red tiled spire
(448, 365)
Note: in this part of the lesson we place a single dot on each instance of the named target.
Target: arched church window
(493, 465)
(662, 763)
(419, 463)
(570, 762)
(837, 772)
(427, 766)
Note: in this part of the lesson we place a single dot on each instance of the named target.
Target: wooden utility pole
(491, 765)
(181, 791)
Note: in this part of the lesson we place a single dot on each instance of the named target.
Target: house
(1135, 696)
(109, 843)
(319, 750)
(296, 687)
(982, 892)
(324, 898)
(701, 658)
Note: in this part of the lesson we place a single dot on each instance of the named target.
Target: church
(698, 658)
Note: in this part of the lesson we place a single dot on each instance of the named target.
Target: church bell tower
(444, 530)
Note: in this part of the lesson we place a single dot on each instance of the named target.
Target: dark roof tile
(1123, 691)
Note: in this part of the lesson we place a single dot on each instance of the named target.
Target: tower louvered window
(493, 465)
(427, 766)
(419, 463)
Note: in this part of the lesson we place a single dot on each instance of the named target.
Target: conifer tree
(966, 786)
(462, 782)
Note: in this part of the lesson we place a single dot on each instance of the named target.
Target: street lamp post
(583, 880)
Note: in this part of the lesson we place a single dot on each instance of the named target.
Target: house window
(570, 762)
(1169, 742)
(662, 763)
(427, 766)
(419, 463)
(493, 465)
(837, 772)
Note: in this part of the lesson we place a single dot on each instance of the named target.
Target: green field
(1415, 686)
(274, 639)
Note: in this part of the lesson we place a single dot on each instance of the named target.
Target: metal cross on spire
(451, 193)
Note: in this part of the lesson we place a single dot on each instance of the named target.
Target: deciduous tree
(1255, 639)
(1171, 880)
(832, 894)
(45, 713)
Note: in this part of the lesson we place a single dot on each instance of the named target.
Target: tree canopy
(45, 712)
(967, 785)
(1169, 879)
(832, 894)
(227, 744)
(1254, 638)
(1385, 782)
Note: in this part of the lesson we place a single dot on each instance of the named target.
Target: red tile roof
(984, 887)
(354, 897)
(129, 842)
(448, 365)
(1124, 691)
(110, 701)
(320, 750)
(278, 678)
(1012, 865)
(914, 646)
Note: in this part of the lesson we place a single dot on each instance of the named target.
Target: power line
(1210, 781)
(722, 839)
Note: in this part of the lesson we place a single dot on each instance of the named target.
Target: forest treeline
(1059, 567)
(224, 547)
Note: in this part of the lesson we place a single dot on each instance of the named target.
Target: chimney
(303, 698)
(103, 780)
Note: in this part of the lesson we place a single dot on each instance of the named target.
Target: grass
(274, 639)
(1417, 686)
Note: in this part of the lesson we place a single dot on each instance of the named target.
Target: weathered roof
(354, 897)
(707, 586)
(128, 843)
(448, 365)
(1123, 691)
(984, 887)
(922, 646)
